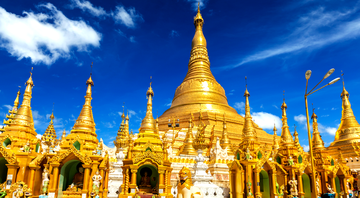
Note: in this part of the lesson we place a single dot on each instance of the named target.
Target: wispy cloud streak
(316, 29)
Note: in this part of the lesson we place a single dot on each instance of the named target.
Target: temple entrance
(147, 179)
(3, 170)
(264, 184)
(71, 173)
(306, 185)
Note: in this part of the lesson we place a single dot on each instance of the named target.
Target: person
(145, 180)
(79, 178)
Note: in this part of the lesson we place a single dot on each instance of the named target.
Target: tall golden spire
(296, 137)
(148, 123)
(248, 130)
(348, 119)
(286, 137)
(22, 125)
(225, 141)
(84, 127)
(317, 142)
(275, 141)
(189, 140)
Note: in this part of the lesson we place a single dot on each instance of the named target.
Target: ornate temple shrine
(199, 147)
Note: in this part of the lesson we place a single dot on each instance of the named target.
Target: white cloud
(9, 107)
(306, 148)
(36, 115)
(174, 33)
(86, 6)
(127, 17)
(316, 29)
(168, 104)
(276, 107)
(44, 37)
(240, 106)
(266, 120)
(300, 118)
(333, 108)
(38, 136)
(131, 38)
(109, 125)
(194, 4)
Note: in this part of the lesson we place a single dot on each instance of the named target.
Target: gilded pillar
(346, 192)
(257, 183)
(300, 186)
(273, 185)
(86, 178)
(231, 183)
(133, 176)
(32, 178)
(12, 171)
(55, 179)
(101, 188)
(333, 184)
(106, 183)
(94, 168)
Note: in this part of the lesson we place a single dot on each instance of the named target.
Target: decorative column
(161, 180)
(300, 185)
(106, 182)
(101, 188)
(86, 179)
(31, 179)
(133, 185)
(274, 181)
(333, 184)
(249, 181)
(257, 183)
(346, 192)
(11, 174)
(55, 178)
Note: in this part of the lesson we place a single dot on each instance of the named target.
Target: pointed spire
(188, 148)
(248, 130)
(296, 137)
(286, 137)
(16, 102)
(318, 143)
(148, 123)
(12, 112)
(225, 141)
(63, 135)
(275, 141)
(348, 119)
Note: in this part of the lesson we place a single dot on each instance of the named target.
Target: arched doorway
(3, 170)
(306, 185)
(264, 184)
(148, 175)
(67, 173)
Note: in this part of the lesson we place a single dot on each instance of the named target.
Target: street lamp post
(307, 76)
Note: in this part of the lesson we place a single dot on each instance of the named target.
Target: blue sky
(273, 43)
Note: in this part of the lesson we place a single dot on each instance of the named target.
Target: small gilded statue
(186, 189)
(98, 150)
(248, 155)
(26, 147)
(293, 188)
(45, 181)
(330, 190)
(291, 161)
(248, 184)
(96, 182)
(19, 192)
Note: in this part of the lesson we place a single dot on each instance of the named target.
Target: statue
(318, 186)
(186, 189)
(293, 188)
(18, 192)
(281, 193)
(248, 185)
(248, 155)
(26, 147)
(330, 190)
(78, 178)
(45, 181)
(98, 150)
(96, 182)
(291, 161)
(145, 180)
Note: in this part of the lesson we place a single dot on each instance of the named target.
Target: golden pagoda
(188, 148)
(12, 112)
(348, 133)
(147, 167)
(225, 141)
(50, 133)
(201, 90)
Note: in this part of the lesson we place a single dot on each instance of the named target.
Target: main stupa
(200, 93)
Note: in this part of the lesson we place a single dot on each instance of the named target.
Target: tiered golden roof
(12, 112)
(22, 125)
(84, 130)
(50, 133)
(122, 140)
(317, 142)
(286, 137)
